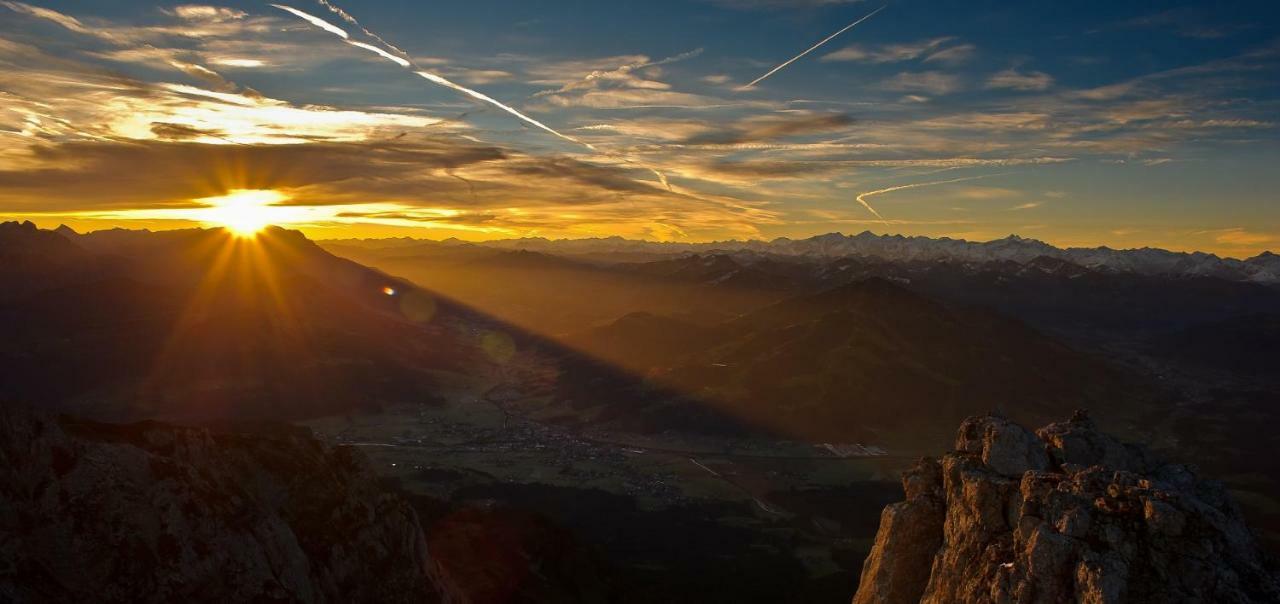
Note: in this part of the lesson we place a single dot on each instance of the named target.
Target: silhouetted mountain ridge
(199, 324)
(1147, 261)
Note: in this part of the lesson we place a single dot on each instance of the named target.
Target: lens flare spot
(389, 291)
(498, 345)
(417, 307)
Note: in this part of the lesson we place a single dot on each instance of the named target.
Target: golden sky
(476, 123)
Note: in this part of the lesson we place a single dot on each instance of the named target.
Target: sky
(1124, 124)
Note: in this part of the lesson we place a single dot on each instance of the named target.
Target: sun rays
(243, 212)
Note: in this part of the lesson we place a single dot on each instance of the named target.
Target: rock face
(154, 513)
(1067, 514)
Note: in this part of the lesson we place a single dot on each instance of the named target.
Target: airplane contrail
(369, 47)
(811, 49)
(316, 21)
(862, 198)
(406, 61)
(352, 20)
(341, 33)
(488, 99)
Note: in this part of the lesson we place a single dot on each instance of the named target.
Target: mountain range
(197, 324)
(1263, 268)
(560, 412)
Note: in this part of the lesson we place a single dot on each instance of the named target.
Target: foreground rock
(154, 513)
(1067, 514)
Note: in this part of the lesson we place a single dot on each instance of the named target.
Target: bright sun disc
(244, 212)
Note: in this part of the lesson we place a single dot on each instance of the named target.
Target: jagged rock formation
(1067, 514)
(149, 512)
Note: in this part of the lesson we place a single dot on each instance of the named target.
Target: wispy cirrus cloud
(778, 4)
(953, 55)
(255, 78)
(772, 128)
(888, 53)
(931, 82)
(1012, 79)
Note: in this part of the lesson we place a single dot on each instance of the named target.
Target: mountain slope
(198, 324)
(865, 361)
(156, 513)
(555, 295)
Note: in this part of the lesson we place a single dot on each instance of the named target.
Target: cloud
(85, 175)
(482, 76)
(624, 73)
(954, 55)
(239, 62)
(932, 82)
(733, 163)
(887, 53)
(443, 182)
(81, 101)
(1027, 206)
(617, 83)
(1109, 91)
(778, 4)
(771, 128)
(1243, 237)
(635, 98)
(751, 172)
(199, 12)
(87, 129)
(66, 21)
(1013, 79)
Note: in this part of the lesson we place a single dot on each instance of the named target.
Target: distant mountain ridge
(1263, 268)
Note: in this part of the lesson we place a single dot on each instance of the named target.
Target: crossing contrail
(316, 21)
(406, 61)
(862, 199)
(492, 101)
(341, 33)
(811, 49)
(352, 20)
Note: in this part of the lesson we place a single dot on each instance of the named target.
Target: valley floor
(795, 503)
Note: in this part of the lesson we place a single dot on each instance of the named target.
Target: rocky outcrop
(1065, 514)
(155, 513)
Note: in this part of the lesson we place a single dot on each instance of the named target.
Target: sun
(243, 212)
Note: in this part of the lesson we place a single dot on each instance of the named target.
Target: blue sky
(1082, 123)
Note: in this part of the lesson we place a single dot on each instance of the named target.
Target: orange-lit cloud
(213, 99)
